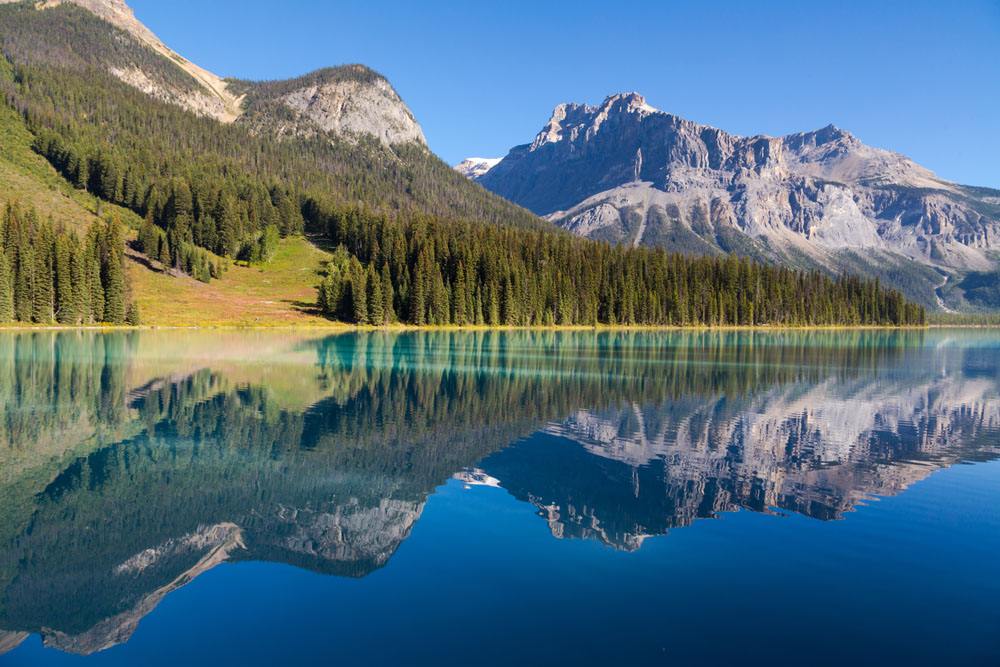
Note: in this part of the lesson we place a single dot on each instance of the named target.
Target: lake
(255, 498)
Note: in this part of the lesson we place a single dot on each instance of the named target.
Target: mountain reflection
(131, 463)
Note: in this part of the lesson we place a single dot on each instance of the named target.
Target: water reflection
(131, 463)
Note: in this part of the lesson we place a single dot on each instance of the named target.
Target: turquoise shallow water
(496, 498)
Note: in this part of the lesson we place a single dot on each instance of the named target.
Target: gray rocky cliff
(625, 172)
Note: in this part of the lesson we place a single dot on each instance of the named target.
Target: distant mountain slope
(626, 172)
(476, 167)
(199, 91)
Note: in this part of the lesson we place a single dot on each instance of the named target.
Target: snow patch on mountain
(476, 167)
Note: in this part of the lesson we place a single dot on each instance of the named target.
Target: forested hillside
(415, 242)
(426, 271)
(215, 185)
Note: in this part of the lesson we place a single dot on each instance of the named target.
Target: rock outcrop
(349, 101)
(625, 172)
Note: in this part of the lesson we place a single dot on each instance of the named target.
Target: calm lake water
(173, 498)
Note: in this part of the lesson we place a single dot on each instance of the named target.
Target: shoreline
(337, 327)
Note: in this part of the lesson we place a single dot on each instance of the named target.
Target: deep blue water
(572, 498)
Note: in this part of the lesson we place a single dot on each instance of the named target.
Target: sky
(918, 77)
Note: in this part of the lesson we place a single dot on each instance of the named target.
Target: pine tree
(42, 292)
(66, 306)
(458, 300)
(359, 292)
(388, 296)
(132, 316)
(440, 308)
(24, 273)
(6, 289)
(376, 314)
(418, 299)
(78, 279)
(115, 305)
(95, 285)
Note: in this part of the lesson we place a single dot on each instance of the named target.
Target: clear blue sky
(918, 77)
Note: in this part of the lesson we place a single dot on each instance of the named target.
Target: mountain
(350, 101)
(99, 117)
(235, 190)
(200, 91)
(342, 131)
(476, 167)
(626, 172)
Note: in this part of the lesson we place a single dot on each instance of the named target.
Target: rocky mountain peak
(572, 120)
(475, 167)
(624, 172)
(351, 100)
(826, 136)
(116, 12)
(627, 103)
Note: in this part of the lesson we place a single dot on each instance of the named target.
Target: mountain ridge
(215, 99)
(625, 172)
(347, 100)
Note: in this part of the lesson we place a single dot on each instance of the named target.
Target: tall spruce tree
(376, 313)
(65, 295)
(115, 300)
(6, 289)
(78, 280)
(388, 295)
(95, 285)
(24, 280)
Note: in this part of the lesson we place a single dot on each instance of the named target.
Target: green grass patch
(279, 293)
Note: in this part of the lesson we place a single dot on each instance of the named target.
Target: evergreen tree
(78, 280)
(66, 305)
(42, 284)
(359, 292)
(115, 305)
(6, 289)
(388, 296)
(95, 283)
(24, 276)
(132, 316)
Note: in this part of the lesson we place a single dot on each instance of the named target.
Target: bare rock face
(352, 533)
(355, 106)
(628, 173)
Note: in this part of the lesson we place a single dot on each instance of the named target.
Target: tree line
(50, 274)
(186, 216)
(426, 271)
